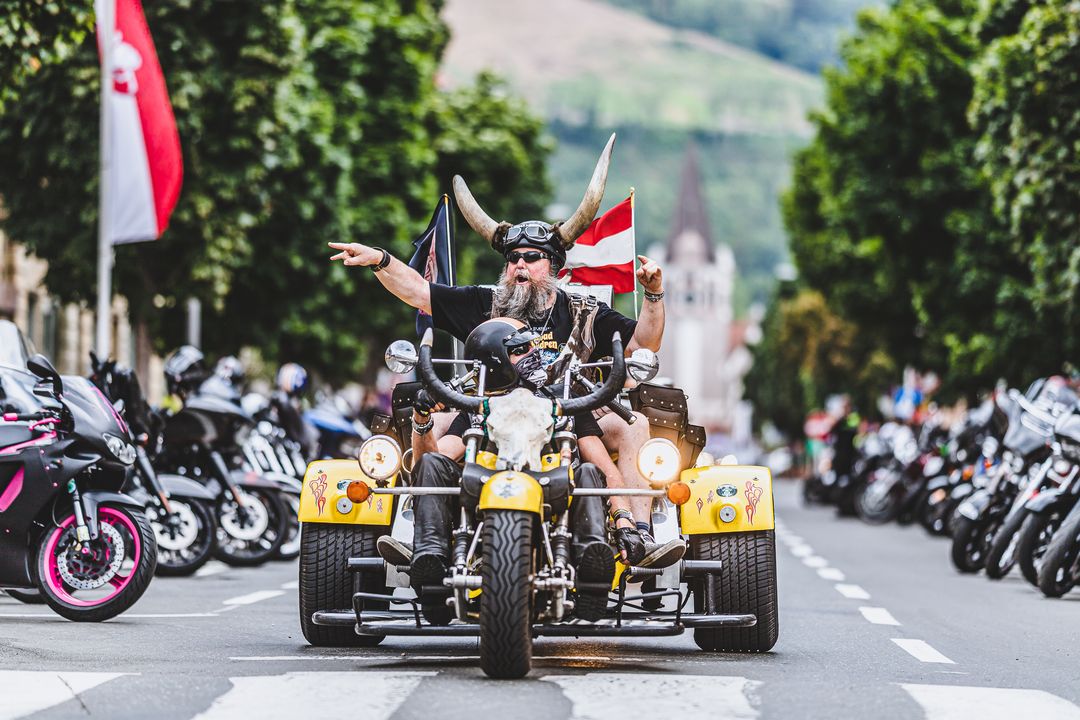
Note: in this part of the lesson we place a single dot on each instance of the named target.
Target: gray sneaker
(662, 556)
(394, 551)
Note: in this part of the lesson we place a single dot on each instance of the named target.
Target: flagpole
(107, 22)
(633, 234)
(451, 250)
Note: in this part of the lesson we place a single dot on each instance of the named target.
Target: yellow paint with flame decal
(323, 498)
(510, 490)
(740, 494)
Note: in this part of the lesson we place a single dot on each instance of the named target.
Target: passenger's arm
(405, 283)
(650, 326)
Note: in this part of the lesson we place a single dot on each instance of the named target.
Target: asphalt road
(874, 624)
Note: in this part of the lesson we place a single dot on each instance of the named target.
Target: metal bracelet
(425, 428)
(654, 297)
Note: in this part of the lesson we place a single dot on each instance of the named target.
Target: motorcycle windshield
(16, 388)
(92, 413)
(15, 349)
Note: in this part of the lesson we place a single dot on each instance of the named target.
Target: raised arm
(405, 283)
(650, 326)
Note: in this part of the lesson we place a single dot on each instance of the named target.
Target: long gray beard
(522, 302)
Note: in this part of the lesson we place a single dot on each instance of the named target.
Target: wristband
(381, 265)
(654, 297)
(425, 428)
(618, 515)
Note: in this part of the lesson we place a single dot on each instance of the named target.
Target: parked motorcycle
(67, 530)
(1058, 569)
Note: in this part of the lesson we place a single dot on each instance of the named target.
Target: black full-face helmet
(185, 369)
(500, 344)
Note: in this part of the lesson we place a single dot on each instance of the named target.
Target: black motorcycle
(67, 530)
(1059, 565)
(180, 510)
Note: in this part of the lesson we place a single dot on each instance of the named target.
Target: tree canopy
(301, 122)
(932, 210)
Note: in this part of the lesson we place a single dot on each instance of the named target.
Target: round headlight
(380, 457)
(659, 462)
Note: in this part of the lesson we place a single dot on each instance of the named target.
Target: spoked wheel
(746, 583)
(506, 598)
(1035, 537)
(185, 538)
(1001, 555)
(326, 583)
(290, 546)
(878, 504)
(250, 534)
(1060, 569)
(99, 579)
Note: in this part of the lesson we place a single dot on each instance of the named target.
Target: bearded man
(568, 327)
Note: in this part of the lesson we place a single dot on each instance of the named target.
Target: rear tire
(745, 584)
(326, 583)
(1058, 574)
(506, 596)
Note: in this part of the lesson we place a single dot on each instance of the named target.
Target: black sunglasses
(530, 257)
(534, 232)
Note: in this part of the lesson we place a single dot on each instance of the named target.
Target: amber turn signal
(678, 492)
(358, 491)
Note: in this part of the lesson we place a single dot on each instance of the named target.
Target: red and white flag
(142, 168)
(604, 254)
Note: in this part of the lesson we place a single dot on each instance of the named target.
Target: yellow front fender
(323, 498)
(511, 490)
(727, 499)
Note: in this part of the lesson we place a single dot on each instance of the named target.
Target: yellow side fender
(323, 498)
(511, 490)
(727, 499)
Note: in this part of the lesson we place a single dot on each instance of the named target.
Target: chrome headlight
(659, 462)
(380, 457)
(122, 449)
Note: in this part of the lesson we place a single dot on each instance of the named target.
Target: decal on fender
(318, 489)
(753, 495)
(508, 489)
(727, 491)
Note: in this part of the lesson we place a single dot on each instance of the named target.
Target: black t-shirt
(458, 310)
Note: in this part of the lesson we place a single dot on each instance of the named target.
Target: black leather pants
(436, 515)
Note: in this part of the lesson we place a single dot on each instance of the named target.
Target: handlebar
(597, 397)
(28, 417)
(1028, 407)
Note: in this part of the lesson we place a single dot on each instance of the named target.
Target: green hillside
(591, 68)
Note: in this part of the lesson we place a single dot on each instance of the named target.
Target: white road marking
(815, 561)
(949, 702)
(828, 573)
(878, 616)
(39, 690)
(854, 592)
(432, 658)
(802, 550)
(708, 697)
(254, 597)
(291, 585)
(214, 567)
(793, 539)
(922, 651)
(315, 694)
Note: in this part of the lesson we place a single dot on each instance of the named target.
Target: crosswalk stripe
(712, 697)
(323, 695)
(38, 690)
(922, 651)
(949, 702)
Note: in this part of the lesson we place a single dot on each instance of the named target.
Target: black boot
(594, 558)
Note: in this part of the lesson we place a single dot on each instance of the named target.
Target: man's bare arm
(650, 327)
(405, 283)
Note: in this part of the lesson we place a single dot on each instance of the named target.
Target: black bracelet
(654, 297)
(386, 258)
(425, 428)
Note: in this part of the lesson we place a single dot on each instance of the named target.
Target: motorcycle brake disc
(88, 566)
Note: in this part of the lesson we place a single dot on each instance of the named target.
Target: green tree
(34, 33)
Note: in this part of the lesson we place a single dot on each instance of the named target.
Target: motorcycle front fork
(82, 530)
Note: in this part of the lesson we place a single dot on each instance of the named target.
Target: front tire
(745, 584)
(252, 539)
(968, 553)
(506, 596)
(106, 580)
(177, 559)
(1001, 556)
(1035, 538)
(290, 546)
(326, 583)
(875, 506)
(1061, 564)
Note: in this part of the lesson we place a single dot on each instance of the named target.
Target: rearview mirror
(40, 366)
(643, 365)
(401, 357)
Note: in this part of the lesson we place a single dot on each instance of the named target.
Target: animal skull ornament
(564, 234)
(519, 424)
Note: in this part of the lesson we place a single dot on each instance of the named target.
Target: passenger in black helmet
(185, 370)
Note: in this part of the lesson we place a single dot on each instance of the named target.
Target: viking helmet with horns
(553, 239)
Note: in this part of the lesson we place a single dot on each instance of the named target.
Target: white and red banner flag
(604, 254)
(142, 168)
